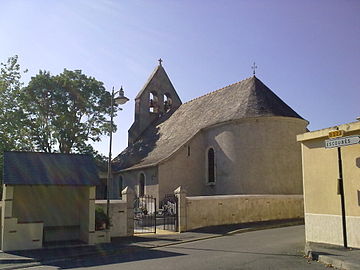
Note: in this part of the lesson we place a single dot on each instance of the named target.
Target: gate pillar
(128, 196)
(180, 193)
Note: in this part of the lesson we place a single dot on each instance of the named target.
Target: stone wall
(203, 211)
(121, 214)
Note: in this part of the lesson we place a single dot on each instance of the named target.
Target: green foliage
(13, 123)
(62, 113)
(101, 219)
(13, 131)
(66, 111)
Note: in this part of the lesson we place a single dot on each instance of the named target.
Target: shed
(47, 197)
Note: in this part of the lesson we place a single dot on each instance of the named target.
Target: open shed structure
(47, 198)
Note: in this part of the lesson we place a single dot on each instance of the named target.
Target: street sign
(342, 141)
(336, 133)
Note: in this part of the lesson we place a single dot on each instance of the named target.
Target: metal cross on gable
(253, 67)
(160, 61)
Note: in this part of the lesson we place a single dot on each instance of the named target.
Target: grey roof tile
(29, 168)
(245, 99)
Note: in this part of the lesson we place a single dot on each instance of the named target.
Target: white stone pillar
(128, 196)
(180, 193)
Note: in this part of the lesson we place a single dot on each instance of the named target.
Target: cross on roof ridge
(253, 67)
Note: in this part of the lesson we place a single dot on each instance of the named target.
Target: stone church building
(240, 139)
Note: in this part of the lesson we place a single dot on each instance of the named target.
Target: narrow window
(188, 150)
(211, 166)
(167, 102)
(153, 102)
(142, 185)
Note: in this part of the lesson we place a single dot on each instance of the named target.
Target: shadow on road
(237, 252)
(128, 255)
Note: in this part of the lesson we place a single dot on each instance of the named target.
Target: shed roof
(245, 99)
(30, 168)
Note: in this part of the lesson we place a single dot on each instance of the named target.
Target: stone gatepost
(180, 193)
(128, 196)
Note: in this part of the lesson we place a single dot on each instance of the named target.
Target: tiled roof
(245, 99)
(29, 168)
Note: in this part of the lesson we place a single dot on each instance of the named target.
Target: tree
(13, 126)
(66, 112)
(13, 132)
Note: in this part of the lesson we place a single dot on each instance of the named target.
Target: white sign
(343, 141)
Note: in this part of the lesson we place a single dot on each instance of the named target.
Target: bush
(101, 219)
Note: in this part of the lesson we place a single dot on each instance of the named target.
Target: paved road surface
(279, 248)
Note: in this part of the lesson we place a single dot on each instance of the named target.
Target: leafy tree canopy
(66, 112)
(62, 113)
(13, 128)
(13, 131)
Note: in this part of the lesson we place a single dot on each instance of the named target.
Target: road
(279, 248)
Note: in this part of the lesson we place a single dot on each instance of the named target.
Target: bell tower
(157, 98)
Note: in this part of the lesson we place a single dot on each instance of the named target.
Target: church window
(210, 173)
(142, 185)
(153, 102)
(188, 150)
(167, 102)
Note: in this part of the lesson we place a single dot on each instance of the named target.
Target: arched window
(167, 102)
(153, 102)
(210, 166)
(142, 185)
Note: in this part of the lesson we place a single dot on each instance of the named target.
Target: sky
(307, 52)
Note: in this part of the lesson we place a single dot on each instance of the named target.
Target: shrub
(101, 219)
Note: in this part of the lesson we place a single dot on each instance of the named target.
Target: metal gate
(167, 216)
(145, 214)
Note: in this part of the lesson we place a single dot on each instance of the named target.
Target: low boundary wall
(121, 214)
(204, 211)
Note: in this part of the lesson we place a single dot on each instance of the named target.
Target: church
(240, 139)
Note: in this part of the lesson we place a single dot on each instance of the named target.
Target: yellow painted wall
(320, 170)
(15, 235)
(34, 214)
(54, 205)
(320, 174)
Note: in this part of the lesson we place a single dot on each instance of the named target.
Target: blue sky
(307, 52)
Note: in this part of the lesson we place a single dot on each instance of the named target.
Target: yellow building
(323, 211)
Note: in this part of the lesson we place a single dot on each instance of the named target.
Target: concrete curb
(21, 266)
(330, 260)
(113, 252)
(338, 263)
